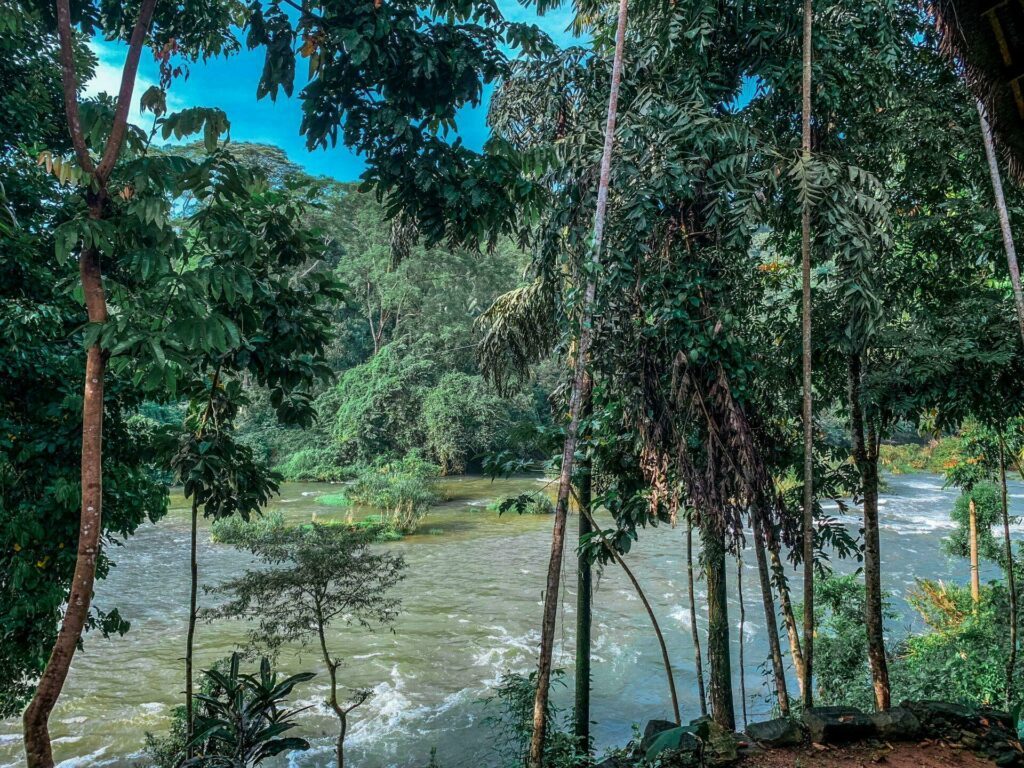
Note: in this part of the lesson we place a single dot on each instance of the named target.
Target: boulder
(897, 724)
(679, 741)
(780, 732)
(1008, 757)
(721, 747)
(701, 727)
(998, 717)
(652, 730)
(938, 717)
(836, 725)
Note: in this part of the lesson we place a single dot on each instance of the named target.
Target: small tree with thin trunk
(977, 510)
(808, 410)
(311, 578)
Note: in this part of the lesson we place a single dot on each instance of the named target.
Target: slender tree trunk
(650, 614)
(340, 746)
(584, 596)
(341, 712)
(865, 454)
(547, 639)
(722, 709)
(697, 657)
(38, 752)
(788, 615)
(770, 621)
(190, 638)
(1004, 216)
(975, 569)
(808, 409)
(743, 621)
(1011, 577)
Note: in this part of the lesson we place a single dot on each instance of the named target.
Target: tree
(540, 705)
(808, 411)
(311, 578)
(107, 132)
(1004, 216)
(975, 520)
(40, 450)
(39, 404)
(720, 688)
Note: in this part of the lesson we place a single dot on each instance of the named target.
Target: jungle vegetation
(714, 258)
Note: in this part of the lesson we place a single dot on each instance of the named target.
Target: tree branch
(70, 85)
(124, 95)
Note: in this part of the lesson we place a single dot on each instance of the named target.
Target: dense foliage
(465, 309)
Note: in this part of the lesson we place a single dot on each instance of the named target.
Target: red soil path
(927, 754)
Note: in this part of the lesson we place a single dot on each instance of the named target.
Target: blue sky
(231, 85)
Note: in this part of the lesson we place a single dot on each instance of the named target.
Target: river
(471, 605)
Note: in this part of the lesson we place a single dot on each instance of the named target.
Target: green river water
(471, 605)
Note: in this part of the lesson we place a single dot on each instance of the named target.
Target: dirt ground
(924, 755)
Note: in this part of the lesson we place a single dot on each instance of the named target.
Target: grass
(334, 500)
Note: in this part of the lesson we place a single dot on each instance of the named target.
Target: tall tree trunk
(719, 660)
(1004, 216)
(190, 637)
(743, 621)
(695, 634)
(788, 615)
(808, 409)
(584, 596)
(1011, 577)
(770, 622)
(650, 614)
(865, 455)
(975, 567)
(547, 638)
(38, 752)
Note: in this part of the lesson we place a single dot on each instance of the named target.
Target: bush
(402, 490)
(236, 531)
(314, 464)
(525, 504)
(963, 656)
(510, 717)
(911, 458)
(841, 668)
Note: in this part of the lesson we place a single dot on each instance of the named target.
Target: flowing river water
(471, 607)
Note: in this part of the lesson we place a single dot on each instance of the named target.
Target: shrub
(316, 464)
(236, 531)
(402, 490)
(910, 458)
(962, 657)
(510, 717)
(524, 504)
(241, 722)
